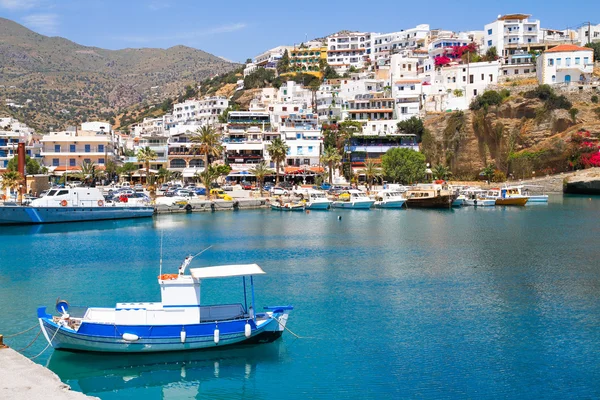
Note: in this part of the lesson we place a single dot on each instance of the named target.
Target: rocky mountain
(59, 82)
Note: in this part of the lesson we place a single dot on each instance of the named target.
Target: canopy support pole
(245, 298)
(252, 289)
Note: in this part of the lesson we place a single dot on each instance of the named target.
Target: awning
(303, 170)
(226, 271)
(240, 173)
(190, 172)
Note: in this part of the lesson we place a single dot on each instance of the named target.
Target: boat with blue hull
(179, 322)
(71, 205)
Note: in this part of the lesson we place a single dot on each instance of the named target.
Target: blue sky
(237, 30)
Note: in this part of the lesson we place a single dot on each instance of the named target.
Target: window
(516, 72)
(577, 60)
(306, 161)
(88, 161)
(586, 60)
(489, 43)
(88, 148)
(529, 40)
(295, 108)
(62, 192)
(482, 77)
(489, 32)
(471, 78)
(550, 62)
(299, 150)
(72, 148)
(57, 148)
(55, 162)
(568, 61)
(310, 149)
(474, 92)
(283, 108)
(553, 78)
(100, 148)
(101, 161)
(558, 61)
(403, 110)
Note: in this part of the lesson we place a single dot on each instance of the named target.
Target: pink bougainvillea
(441, 61)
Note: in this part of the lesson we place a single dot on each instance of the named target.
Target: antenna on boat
(189, 259)
(161, 252)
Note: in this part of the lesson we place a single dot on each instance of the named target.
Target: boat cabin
(70, 197)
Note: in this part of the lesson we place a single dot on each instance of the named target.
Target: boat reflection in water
(97, 373)
(67, 227)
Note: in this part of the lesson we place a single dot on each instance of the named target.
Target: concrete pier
(195, 205)
(22, 379)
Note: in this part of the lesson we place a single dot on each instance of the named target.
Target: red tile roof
(567, 47)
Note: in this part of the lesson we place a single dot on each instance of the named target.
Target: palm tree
(111, 169)
(260, 171)
(207, 141)
(331, 156)
(441, 172)
(87, 170)
(371, 172)
(11, 180)
(278, 151)
(164, 175)
(127, 169)
(208, 176)
(145, 155)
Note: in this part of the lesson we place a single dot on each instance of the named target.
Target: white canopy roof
(225, 271)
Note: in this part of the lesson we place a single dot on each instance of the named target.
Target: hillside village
(512, 97)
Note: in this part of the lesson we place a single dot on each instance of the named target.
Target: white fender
(182, 335)
(247, 330)
(130, 337)
(216, 336)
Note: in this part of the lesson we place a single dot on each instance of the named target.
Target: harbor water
(482, 303)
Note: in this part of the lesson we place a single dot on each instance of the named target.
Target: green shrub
(573, 113)
(594, 99)
(489, 98)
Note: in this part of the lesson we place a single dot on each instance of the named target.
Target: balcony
(582, 68)
(382, 148)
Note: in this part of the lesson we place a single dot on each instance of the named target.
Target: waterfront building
(302, 134)
(68, 150)
(182, 155)
(12, 132)
(565, 64)
(246, 135)
(157, 143)
(346, 50)
(205, 111)
(308, 59)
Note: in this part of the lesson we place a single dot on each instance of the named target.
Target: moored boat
(178, 322)
(389, 198)
(71, 205)
(353, 199)
(280, 206)
(316, 200)
(475, 197)
(501, 198)
(430, 196)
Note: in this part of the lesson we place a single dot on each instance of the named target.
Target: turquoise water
(469, 303)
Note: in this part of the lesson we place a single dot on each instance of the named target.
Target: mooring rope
(32, 342)
(20, 333)
(290, 331)
(49, 344)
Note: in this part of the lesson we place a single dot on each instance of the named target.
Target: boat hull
(543, 198)
(430, 202)
(318, 206)
(353, 205)
(277, 207)
(109, 338)
(480, 202)
(390, 204)
(19, 215)
(512, 201)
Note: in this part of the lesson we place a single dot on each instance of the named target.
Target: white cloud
(189, 35)
(158, 5)
(46, 24)
(18, 4)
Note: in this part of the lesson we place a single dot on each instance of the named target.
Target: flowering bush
(441, 61)
(585, 150)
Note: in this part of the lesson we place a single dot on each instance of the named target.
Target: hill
(68, 83)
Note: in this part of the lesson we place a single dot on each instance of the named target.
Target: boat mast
(161, 253)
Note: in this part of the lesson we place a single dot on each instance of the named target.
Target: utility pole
(589, 32)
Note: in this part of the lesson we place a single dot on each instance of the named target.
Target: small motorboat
(389, 198)
(178, 322)
(476, 198)
(503, 197)
(353, 199)
(280, 206)
(459, 201)
(316, 200)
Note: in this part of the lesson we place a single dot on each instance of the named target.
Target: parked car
(227, 187)
(219, 193)
(268, 187)
(325, 186)
(286, 185)
(164, 187)
(138, 187)
(246, 185)
(185, 193)
(279, 191)
(201, 191)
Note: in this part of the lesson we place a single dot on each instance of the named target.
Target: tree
(278, 151)
(111, 168)
(11, 180)
(164, 175)
(491, 54)
(260, 171)
(32, 167)
(166, 105)
(330, 73)
(208, 176)
(331, 157)
(87, 172)
(412, 126)
(596, 48)
(207, 141)
(127, 169)
(145, 155)
(283, 65)
(488, 172)
(441, 172)
(371, 172)
(404, 165)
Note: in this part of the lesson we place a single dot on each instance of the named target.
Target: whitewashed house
(565, 63)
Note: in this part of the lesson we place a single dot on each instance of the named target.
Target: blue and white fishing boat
(317, 200)
(353, 199)
(71, 205)
(179, 322)
(389, 198)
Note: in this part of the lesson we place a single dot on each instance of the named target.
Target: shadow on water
(13, 230)
(97, 372)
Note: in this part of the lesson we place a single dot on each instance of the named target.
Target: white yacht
(389, 198)
(353, 199)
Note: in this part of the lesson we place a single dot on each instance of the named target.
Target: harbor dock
(214, 205)
(22, 379)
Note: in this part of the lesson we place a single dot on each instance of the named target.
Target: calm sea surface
(470, 303)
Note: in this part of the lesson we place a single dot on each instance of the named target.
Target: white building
(386, 44)
(588, 34)
(96, 126)
(269, 58)
(12, 132)
(302, 134)
(511, 29)
(245, 139)
(205, 111)
(407, 95)
(345, 50)
(565, 63)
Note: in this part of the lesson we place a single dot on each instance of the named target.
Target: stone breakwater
(209, 206)
(22, 379)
